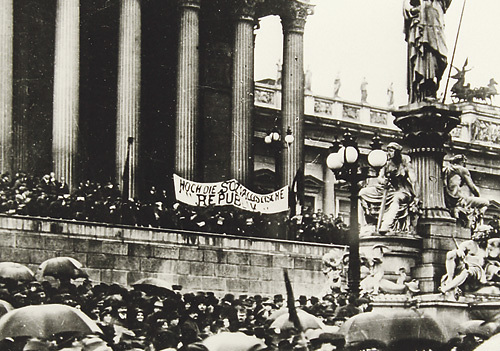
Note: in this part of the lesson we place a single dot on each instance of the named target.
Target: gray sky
(364, 38)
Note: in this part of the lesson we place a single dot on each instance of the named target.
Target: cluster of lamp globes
(349, 155)
(275, 136)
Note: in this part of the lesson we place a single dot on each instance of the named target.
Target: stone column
(292, 107)
(186, 137)
(66, 90)
(328, 191)
(6, 67)
(243, 92)
(426, 126)
(129, 90)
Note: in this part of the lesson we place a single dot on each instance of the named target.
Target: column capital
(246, 9)
(190, 3)
(294, 15)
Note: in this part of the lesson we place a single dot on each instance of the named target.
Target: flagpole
(454, 49)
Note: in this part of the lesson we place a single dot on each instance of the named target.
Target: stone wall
(196, 261)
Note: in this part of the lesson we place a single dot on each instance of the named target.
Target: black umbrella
(62, 267)
(16, 271)
(392, 327)
(44, 321)
(154, 286)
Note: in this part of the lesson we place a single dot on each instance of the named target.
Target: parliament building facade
(169, 87)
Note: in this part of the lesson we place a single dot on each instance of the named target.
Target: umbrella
(307, 320)
(5, 307)
(477, 327)
(16, 271)
(44, 321)
(392, 327)
(238, 341)
(278, 313)
(154, 286)
(490, 344)
(62, 267)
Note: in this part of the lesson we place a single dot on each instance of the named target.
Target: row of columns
(66, 89)
(293, 22)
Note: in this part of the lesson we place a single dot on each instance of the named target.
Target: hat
(278, 298)
(394, 145)
(302, 299)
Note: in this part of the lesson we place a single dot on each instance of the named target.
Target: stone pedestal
(427, 127)
(404, 251)
(450, 315)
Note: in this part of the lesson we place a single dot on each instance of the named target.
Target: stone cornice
(294, 15)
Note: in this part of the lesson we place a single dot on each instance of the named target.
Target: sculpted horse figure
(463, 92)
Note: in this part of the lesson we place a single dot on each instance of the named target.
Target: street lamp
(276, 142)
(343, 160)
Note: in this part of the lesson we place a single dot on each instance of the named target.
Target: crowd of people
(47, 196)
(151, 317)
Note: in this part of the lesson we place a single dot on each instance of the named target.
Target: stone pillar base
(404, 251)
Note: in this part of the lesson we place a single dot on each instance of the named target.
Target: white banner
(229, 192)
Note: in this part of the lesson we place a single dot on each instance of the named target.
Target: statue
(375, 282)
(279, 69)
(308, 80)
(336, 86)
(463, 92)
(461, 194)
(424, 33)
(364, 91)
(389, 199)
(465, 264)
(390, 95)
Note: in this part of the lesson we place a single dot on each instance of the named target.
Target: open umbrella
(477, 327)
(61, 267)
(490, 344)
(154, 286)
(392, 327)
(307, 320)
(238, 341)
(16, 271)
(44, 321)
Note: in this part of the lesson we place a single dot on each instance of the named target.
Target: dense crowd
(23, 194)
(153, 318)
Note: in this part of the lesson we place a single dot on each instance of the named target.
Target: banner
(229, 193)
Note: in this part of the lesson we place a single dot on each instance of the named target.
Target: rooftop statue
(424, 33)
(463, 92)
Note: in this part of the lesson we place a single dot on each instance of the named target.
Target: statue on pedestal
(389, 199)
(424, 33)
(461, 194)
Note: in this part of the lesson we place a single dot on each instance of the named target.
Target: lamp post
(274, 139)
(343, 160)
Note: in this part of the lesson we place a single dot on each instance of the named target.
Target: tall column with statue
(426, 124)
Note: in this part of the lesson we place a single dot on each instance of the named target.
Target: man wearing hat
(395, 188)
(458, 201)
